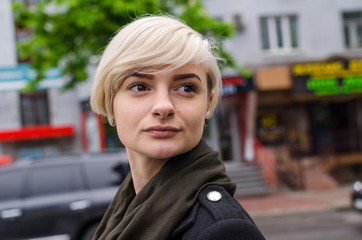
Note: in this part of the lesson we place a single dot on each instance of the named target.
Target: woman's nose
(163, 107)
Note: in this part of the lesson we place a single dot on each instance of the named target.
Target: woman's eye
(188, 87)
(138, 87)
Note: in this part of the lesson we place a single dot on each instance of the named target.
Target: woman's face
(160, 114)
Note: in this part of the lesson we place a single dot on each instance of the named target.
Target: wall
(7, 36)
(320, 27)
(64, 106)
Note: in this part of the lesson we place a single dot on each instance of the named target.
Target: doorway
(223, 132)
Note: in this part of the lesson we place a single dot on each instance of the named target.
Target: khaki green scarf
(164, 201)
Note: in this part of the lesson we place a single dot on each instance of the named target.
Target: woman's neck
(143, 168)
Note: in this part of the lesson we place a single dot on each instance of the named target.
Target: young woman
(157, 83)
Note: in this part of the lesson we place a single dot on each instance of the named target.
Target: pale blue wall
(320, 28)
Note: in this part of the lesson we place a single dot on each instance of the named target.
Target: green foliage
(70, 34)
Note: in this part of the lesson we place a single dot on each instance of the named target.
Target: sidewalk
(287, 202)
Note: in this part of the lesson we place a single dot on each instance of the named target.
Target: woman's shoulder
(217, 215)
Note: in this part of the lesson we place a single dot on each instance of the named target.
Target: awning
(35, 133)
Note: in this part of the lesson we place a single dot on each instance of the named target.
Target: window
(30, 3)
(353, 29)
(11, 184)
(279, 32)
(238, 22)
(24, 34)
(54, 180)
(105, 174)
(34, 108)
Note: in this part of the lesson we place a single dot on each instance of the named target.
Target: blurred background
(291, 113)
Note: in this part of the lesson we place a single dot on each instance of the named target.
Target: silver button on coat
(214, 196)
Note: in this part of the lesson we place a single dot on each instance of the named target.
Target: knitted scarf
(164, 201)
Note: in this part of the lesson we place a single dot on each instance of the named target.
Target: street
(332, 225)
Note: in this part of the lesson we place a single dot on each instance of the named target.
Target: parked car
(63, 196)
(357, 195)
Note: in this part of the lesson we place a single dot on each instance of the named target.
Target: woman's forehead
(171, 69)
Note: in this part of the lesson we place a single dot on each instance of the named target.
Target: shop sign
(269, 127)
(16, 78)
(234, 85)
(341, 76)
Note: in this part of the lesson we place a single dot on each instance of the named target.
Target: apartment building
(306, 59)
(32, 124)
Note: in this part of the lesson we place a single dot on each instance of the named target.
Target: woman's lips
(162, 131)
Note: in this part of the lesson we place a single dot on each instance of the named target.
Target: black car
(357, 196)
(62, 196)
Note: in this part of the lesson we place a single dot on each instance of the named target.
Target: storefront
(36, 124)
(227, 131)
(313, 111)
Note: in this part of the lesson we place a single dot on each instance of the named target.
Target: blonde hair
(152, 41)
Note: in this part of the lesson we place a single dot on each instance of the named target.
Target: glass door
(223, 132)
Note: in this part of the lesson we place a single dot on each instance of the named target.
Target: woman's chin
(163, 152)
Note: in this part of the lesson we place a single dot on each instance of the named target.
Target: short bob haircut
(151, 41)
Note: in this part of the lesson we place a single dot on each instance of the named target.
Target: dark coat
(216, 216)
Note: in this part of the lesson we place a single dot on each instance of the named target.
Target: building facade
(52, 121)
(303, 102)
(306, 57)
(32, 124)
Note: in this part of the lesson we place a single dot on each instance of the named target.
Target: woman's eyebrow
(142, 75)
(186, 76)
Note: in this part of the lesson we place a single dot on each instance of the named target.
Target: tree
(71, 34)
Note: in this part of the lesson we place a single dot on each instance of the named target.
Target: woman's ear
(208, 110)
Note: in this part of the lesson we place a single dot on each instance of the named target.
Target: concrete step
(248, 179)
